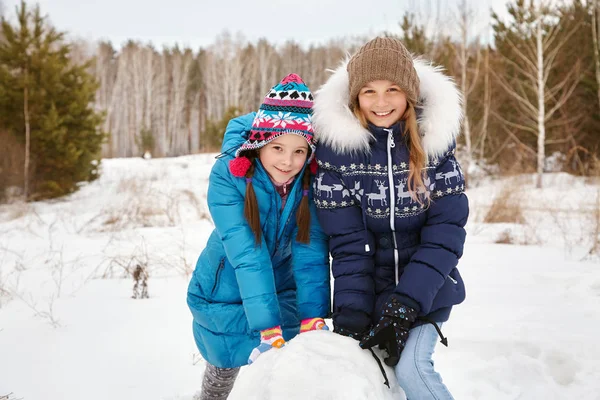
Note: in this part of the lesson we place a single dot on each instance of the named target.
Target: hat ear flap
(239, 166)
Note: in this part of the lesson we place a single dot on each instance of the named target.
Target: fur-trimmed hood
(439, 110)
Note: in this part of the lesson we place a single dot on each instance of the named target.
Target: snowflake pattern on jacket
(441, 179)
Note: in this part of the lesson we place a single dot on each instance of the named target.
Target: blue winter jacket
(237, 288)
(383, 241)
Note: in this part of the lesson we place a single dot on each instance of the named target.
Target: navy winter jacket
(383, 241)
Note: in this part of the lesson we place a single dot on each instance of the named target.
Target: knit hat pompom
(383, 58)
(239, 166)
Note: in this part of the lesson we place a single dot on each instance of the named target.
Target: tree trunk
(464, 88)
(541, 156)
(27, 135)
(487, 100)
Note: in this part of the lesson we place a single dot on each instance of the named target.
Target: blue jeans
(415, 372)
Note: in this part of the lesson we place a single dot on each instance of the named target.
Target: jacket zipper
(219, 269)
(390, 146)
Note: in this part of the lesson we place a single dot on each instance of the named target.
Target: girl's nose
(381, 100)
(287, 159)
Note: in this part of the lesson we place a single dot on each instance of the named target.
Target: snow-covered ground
(69, 329)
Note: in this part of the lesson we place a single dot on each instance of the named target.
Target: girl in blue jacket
(264, 274)
(389, 194)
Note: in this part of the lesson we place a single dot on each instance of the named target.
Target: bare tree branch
(523, 101)
(518, 141)
(500, 149)
(515, 125)
(564, 121)
(527, 61)
(565, 94)
(487, 99)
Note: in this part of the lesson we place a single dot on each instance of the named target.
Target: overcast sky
(196, 23)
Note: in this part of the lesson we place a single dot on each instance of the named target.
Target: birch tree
(223, 78)
(105, 72)
(214, 93)
(468, 75)
(194, 104)
(250, 76)
(160, 109)
(231, 80)
(292, 57)
(180, 70)
(531, 45)
(268, 63)
(487, 102)
(122, 106)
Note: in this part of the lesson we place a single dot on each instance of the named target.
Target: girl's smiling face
(382, 103)
(284, 157)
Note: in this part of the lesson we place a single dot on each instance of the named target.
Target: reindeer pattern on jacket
(377, 192)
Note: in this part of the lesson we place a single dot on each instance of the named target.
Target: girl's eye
(277, 148)
(393, 89)
(300, 151)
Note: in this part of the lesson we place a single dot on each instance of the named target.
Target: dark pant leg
(217, 382)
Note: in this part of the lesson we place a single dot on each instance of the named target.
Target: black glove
(391, 332)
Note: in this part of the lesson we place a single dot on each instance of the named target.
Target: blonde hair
(252, 213)
(416, 152)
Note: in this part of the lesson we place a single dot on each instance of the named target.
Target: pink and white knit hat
(286, 109)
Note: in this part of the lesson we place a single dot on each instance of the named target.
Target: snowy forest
(533, 87)
(530, 82)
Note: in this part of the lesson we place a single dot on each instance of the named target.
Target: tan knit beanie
(383, 58)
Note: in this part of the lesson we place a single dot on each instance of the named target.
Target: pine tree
(46, 101)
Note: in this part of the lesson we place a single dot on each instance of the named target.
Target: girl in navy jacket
(389, 193)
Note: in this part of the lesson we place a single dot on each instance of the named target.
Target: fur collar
(439, 121)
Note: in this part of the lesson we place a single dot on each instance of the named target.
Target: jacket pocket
(218, 275)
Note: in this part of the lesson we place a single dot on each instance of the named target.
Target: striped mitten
(313, 324)
(269, 338)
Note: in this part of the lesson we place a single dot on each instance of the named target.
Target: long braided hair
(252, 214)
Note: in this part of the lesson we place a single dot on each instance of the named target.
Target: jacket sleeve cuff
(407, 301)
(354, 321)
